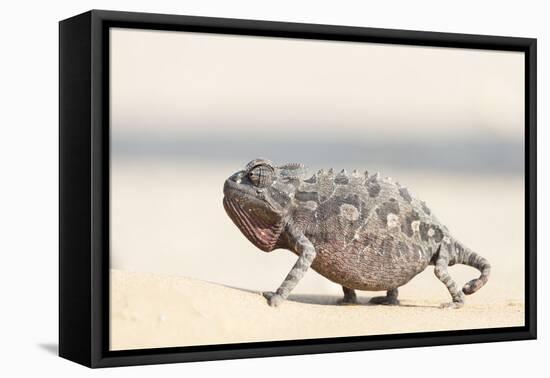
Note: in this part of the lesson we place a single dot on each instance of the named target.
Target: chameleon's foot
(390, 299)
(273, 299)
(348, 301)
(350, 298)
(452, 305)
(385, 300)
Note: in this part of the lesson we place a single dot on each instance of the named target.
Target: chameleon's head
(257, 199)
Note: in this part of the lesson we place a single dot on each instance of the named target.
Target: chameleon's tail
(468, 257)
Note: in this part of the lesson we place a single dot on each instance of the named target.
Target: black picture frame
(84, 187)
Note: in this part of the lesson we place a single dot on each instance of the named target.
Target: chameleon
(359, 230)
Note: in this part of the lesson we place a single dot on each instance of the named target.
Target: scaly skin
(361, 231)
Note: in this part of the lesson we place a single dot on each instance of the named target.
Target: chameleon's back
(369, 232)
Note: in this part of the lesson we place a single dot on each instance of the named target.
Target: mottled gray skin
(361, 231)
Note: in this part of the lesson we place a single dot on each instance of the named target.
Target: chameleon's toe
(452, 305)
(384, 300)
(348, 301)
(273, 299)
(268, 294)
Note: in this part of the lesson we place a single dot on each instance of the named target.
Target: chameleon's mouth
(260, 233)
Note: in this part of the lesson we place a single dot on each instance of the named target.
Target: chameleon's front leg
(307, 253)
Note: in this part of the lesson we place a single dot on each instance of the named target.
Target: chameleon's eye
(261, 176)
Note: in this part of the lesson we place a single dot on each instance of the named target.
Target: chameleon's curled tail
(468, 257)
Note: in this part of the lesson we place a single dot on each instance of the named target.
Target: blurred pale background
(188, 109)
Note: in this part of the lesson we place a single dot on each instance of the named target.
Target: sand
(150, 310)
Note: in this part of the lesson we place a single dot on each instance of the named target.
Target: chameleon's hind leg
(441, 272)
(350, 297)
(389, 299)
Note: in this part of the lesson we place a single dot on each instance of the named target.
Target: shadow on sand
(332, 300)
(328, 300)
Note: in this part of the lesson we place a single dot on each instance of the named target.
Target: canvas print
(267, 189)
